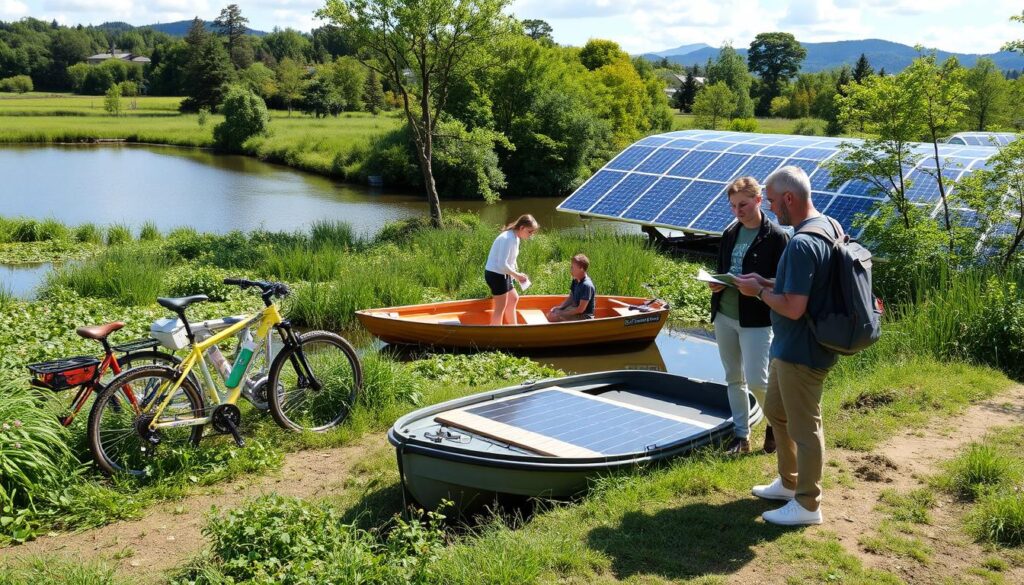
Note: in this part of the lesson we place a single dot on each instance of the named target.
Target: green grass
(764, 125)
(57, 570)
(129, 276)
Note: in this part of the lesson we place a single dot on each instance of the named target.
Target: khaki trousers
(793, 408)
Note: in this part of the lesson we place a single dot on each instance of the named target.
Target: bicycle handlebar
(267, 289)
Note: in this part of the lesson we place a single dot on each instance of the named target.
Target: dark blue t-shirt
(803, 270)
(583, 290)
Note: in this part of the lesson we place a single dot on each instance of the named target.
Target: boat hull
(464, 324)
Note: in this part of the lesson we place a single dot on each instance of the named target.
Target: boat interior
(480, 313)
(597, 419)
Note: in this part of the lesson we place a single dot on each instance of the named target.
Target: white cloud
(969, 39)
(12, 9)
(301, 20)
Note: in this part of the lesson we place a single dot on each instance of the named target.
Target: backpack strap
(819, 231)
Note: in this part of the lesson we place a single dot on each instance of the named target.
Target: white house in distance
(129, 57)
(676, 80)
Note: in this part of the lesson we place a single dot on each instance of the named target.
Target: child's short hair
(582, 261)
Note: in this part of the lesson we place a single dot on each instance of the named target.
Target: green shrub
(31, 230)
(34, 457)
(89, 233)
(978, 470)
(118, 234)
(809, 127)
(17, 84)
(198, 279)
(188, 244)
(149, 232)
(403, 230)
(743, 125)
(387, 382)
(245, 115)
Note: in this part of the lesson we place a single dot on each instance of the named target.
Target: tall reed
(126, 275)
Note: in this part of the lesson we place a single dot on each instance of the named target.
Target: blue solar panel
(780, 150)
(692, 164)
(725, 167)
(630, 157)
(746, 148)
(845, 208)
(716, 217)
(760, 167)
(684, 143)
(661, 161)
(923, 188)
(715, 146)
(690, 203)
(623, 195)
(599, 426)
(817, 154)
(585, 197)
(857, 187)
(656, 199)
(821, 200)
(654, 141)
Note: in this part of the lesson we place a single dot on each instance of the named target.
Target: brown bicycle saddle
(99, 331)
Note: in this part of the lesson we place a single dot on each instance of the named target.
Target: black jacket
(762, 257)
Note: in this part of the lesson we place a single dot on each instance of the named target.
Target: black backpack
(851, 318)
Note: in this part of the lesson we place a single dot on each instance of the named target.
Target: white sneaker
(773, 491)
(792, 514)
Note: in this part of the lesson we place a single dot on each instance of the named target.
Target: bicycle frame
(86, 390)
(268, 319)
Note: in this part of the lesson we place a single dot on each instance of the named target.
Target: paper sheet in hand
(524, 285)
(724, 279)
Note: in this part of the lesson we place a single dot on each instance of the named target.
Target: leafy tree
(332, 41)
(289, 43)
(713, 103)
(67, 47)
(207, 71)
(260, 79)
(434, 40)
(830, 112)
(684, 96)
(112, 101)
(862, 69)
(538, 30)
(233, 25)
(290, 82)
(731, 69)
(997, 195)
(776, 57)
(245, 116)
(944, 96)
(600, 52)
(321, 98)
(987, 88)
(1014, 111)
(889, 108)
(373, 94)
(348, 76)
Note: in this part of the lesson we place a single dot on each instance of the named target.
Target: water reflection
(172, 187)
(687, 352)
(23, 279)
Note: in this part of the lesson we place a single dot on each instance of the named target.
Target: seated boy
(582, 294)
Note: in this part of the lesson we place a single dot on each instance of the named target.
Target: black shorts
(498, 283)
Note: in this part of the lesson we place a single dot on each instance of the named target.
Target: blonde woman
(501, 268)
(743, 325)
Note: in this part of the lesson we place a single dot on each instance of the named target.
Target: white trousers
(744, 353)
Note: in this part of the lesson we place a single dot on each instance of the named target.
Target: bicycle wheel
(119, 435)
(141, 358)
(313, 386)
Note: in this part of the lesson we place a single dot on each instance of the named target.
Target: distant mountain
(678, 51)
(894, 57)
(175, 29)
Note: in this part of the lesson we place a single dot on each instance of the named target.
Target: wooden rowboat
(466, 323)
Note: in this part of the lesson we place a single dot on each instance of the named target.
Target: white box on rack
(170, 332)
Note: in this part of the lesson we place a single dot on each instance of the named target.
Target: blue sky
(967, 26)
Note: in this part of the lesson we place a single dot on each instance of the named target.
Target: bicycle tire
(146, 358)
(290, 396)
(138, 449)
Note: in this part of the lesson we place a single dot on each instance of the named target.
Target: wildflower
(17, 424)
(6, 427)
(17, 445)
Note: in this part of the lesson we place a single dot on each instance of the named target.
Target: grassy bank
(329, 146)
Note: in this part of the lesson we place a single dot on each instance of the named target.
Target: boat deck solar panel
(566, 423)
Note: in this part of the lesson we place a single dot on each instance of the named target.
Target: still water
(21, 280)
(174, 187)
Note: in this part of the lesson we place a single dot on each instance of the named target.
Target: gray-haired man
(798, 364)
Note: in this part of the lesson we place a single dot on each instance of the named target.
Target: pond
(172, 187)
(21, 280)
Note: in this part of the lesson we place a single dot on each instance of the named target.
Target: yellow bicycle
(311, 385)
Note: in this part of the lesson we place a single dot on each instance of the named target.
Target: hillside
(176, 29)
(892, 56)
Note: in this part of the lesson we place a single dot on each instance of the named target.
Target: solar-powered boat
(549, 439)
(466, 324)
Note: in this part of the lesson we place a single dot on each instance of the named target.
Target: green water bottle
(242, 361)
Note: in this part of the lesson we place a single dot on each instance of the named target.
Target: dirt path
(170, 533)
(903, 464)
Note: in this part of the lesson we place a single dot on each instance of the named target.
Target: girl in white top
(501, 268)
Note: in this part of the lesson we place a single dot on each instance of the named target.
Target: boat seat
(443, 318)
(624, 311)
(533, 317)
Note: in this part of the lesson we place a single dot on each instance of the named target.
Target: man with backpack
(799, 363)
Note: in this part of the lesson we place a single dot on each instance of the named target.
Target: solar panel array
(983, 138)
(678, 180)
(603, 427)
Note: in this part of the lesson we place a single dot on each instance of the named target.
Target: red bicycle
(86, 373)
